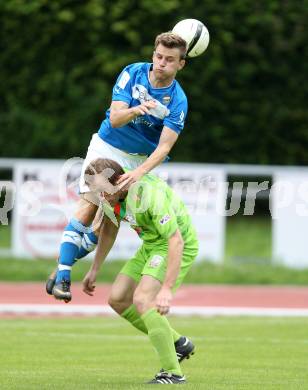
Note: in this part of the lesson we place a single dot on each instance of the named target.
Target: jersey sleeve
(122, 90)
(176, 118)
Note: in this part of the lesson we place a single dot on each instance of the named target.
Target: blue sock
(88, 244)
(70, 244)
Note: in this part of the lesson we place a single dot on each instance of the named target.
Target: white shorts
(100, 149)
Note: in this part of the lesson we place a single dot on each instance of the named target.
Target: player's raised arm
(121, 114)
(167, 140)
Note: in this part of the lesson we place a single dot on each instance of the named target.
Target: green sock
(160, 334)
(131, 315)
(175, 334)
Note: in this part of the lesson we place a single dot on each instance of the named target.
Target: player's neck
(159, 83)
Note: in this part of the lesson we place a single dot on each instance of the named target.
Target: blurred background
(247, 103)
(247, 124)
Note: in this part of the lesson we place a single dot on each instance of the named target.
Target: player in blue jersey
(145, 118)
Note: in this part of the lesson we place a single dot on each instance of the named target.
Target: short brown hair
(100, 164)
(171, 40)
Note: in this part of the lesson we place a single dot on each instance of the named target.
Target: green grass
(203, 272)
(5, 236)
(255, 230)
(247, 261)
(107, 353)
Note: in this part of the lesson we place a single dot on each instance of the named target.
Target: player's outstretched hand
(128, 178)
(88, 283)
(144, 108)
(163, 300)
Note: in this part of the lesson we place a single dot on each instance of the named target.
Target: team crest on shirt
(166, 100)
(164, 219)
(156, 261)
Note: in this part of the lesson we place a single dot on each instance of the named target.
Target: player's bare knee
(141, 302)
(114, 303)
(86, 211)
(97, 222)
(118, 305)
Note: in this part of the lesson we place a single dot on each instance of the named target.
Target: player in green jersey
(143, 290)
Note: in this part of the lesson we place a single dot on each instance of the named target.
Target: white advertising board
(289, 208)
(204, 192)
(44, 204)
(42, 209)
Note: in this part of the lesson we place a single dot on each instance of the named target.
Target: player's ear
(181, 64)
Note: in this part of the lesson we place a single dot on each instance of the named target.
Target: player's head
(169, 55)
(170, 40)
(101, 176)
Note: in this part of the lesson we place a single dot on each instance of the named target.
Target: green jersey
(155, 212)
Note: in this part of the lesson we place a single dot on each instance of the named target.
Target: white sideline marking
(69, 309)
(207, 339)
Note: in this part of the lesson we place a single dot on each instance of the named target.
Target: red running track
(187, 295)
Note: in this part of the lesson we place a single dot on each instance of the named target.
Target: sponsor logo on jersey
(156, 261)
(165, 219)
(141, 120)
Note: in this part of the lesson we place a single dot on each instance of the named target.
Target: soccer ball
(195, 34)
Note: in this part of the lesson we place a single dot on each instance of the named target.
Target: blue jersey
(142, 134)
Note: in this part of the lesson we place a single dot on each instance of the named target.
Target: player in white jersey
(146, 115)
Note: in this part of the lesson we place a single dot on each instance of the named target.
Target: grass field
(5, 236)
(107, 353)
(247, 261)
(256, 230)
(204, 272)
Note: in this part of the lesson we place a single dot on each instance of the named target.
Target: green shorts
(152, 260)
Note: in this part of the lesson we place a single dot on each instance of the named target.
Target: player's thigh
(95, 151)
(146, 291)
(122, 290)
(153, 274)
